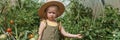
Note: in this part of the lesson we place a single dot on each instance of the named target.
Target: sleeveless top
(51, 33)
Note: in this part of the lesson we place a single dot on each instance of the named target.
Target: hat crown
(51, 0)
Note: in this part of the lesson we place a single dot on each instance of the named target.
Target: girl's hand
(79, 36)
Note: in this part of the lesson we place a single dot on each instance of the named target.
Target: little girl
(50, 29)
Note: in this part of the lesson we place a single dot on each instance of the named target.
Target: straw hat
(41, 11)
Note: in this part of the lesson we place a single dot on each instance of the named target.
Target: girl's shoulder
(43, 21)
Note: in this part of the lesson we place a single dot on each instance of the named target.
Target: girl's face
(52, 12)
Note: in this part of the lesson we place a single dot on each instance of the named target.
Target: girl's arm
(41, 28)
(63, 32)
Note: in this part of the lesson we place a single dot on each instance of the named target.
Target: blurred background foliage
(19, 20)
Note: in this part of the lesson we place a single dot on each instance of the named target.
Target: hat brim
(41, 11)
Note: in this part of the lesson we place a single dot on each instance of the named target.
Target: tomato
(11, 22)
(9, 30)
(30, 36)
